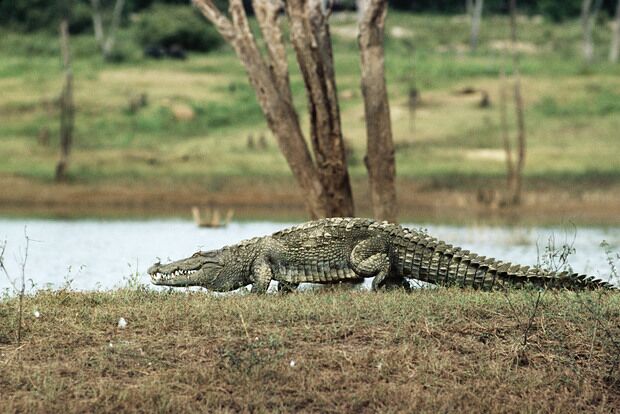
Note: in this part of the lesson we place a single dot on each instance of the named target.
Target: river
(96, 254)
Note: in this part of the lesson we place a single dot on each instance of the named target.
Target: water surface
(91, 254)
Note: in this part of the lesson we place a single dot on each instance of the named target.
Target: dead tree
(380, 146)
(324, 180)
(589, 12)
(476, 18)
(503, 122)
(614, 49)
(514, 168)
(106, 43)
(67, 108)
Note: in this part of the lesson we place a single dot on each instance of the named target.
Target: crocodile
(337, 250)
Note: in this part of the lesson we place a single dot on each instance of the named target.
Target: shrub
(167, 25)
(37, 15)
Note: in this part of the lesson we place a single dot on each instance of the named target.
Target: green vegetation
(438, 350)
(200, 112)
(182, 26)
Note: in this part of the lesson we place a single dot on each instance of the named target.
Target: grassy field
(572, 111)
(438, 350)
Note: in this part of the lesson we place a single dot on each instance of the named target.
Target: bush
(167, 25)
(37, 15)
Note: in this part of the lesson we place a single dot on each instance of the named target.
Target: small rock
(292, 363)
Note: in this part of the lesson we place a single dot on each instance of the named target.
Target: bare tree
(67, 108)
(270, 81)
(514, 167)
(324, 180)
(519, 110)
(503, 120)
(106, 43)
(589, 12)
(476, 18)
(380, 146)
(614, 50)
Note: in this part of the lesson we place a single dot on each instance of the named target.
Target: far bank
(461, 200)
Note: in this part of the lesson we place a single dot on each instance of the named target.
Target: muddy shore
(282, 202)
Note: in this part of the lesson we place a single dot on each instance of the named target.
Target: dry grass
(333, 351)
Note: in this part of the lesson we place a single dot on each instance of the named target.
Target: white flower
(36, 314)
(292, 363)
(122, 323)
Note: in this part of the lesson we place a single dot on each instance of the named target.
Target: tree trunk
(614, 50)
(510, 170)
(517, 183)
(97, 22)
(312, 43)
(67, 108)
(360, 6)
(271, 84)
(380, 158)
(469, 7)
(589, 12)
(476, 18)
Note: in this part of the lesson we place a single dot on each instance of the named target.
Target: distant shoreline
(544, 205)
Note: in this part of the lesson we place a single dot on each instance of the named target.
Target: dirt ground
(435, 350)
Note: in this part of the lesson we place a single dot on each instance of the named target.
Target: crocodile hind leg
(370, 258)
(392, 282)
(261, 276)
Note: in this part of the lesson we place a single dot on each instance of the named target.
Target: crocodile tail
(425, 258)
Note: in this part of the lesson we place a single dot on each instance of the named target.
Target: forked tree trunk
(380, 146)
(312, 43)
(476, 19)
(271, 84)
(614, 49)
(67, 109)
(517, 177)
(106, 43)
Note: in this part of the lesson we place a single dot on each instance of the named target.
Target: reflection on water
(105, 254)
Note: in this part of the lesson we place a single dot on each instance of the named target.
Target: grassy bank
(434, 351)
(571, 111)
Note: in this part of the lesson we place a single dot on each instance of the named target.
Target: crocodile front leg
(370, 258)
(261, 276)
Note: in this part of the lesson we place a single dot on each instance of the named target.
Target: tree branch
(267, 14)
(215, 16)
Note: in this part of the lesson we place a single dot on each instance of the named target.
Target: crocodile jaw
(185, 272)
(178, 277)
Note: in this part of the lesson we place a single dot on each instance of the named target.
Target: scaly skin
(340, 249)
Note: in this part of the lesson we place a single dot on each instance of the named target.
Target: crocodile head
(216, 270)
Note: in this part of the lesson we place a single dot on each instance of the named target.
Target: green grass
(572, 112)
(438, 350)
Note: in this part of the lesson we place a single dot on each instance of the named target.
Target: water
(91, 254)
